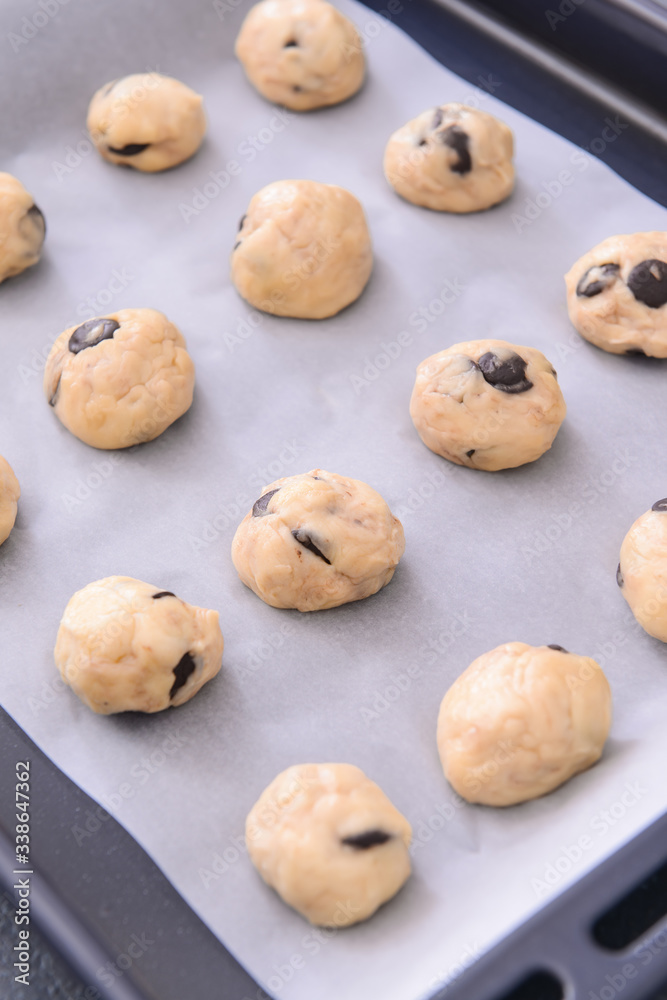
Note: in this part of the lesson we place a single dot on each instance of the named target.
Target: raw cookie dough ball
(120, 379)
(317, 540)
(301, 53)
(642, 571)
(452, 159)
(126, 646)
(487, 404)
(617, 294)
(147, 121)
(520, 721)
(303, 250)
(330, 842)
(22, 228)
(10, 492)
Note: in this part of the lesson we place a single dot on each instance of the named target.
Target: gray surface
(49, 976)
(489, 558)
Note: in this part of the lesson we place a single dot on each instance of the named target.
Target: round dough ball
(487, 404)
(127, 646)
(10, 491)
(520, 721)
(147, 121)
(617, 294)
(452, 158)
(642, 571)
(330, 842)
(317, 540)
(120, 379)
(22, 228)
(303, 250)
(302, 54)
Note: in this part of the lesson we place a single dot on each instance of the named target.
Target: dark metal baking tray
(91, 900)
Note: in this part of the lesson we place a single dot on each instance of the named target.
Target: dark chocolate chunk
(619, 576)
(648, 283)
(471, 452)
(508, 375)
(291, 44)
(596, 280)
(163, 593)
(183, 669)
(437, 118)
(459, 141)
(303, 538)
(259, 506)
(635, 352)
(660, 505)
(297, 89)
(92, 333)
(371, 838)
(241, 221)
(54, 394)
(36, 214)
(557, 648)
(422, 142)
(132, 149)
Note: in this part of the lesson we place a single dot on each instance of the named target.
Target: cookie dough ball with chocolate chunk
(302, 54)
(317, 540)
(617, 294)
(10, 491)
(487, 404)
(22, 228)
(147, 121)
(642, 571)
(330, 842)
(127, 646)
(303, 250)
(120, 379)
(452, 159)
(520, 721)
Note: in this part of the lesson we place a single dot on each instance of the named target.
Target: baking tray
(109, 926)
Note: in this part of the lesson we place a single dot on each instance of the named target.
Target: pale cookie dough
(147, 121)
(617, 294)
(520, 721)
(120, 379)
(10, 491)
(330, 842)
(487, 404)
(126, 646)
(302, 54)
(452, 159)
(317, 540)
(22, 228)
(642, 571)
(303, 250)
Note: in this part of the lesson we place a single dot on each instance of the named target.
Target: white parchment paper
(528, 554)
